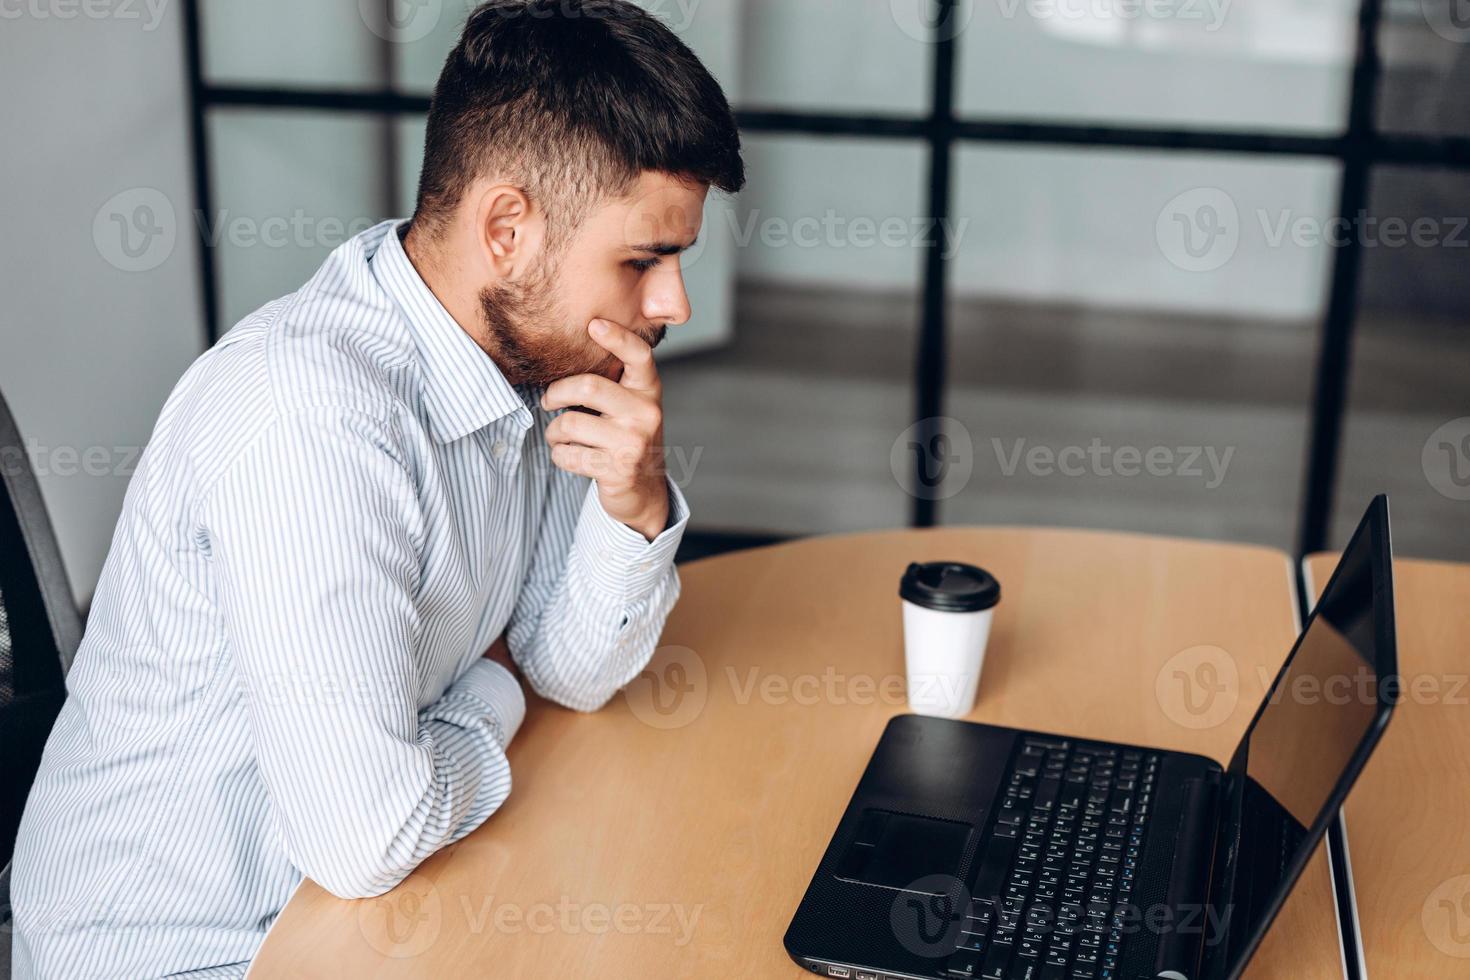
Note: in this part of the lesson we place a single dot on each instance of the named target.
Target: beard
(528, 336)
(523, 337)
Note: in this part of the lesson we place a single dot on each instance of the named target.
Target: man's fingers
(595, 464)
(639, 371)
(590, 391)
(586, 430)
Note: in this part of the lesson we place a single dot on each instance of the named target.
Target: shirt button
(498, 450)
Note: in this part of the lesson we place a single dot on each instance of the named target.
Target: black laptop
(973, 851)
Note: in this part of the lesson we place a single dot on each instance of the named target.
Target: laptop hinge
(1181, 948)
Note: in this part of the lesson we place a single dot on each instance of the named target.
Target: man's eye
(643, 265)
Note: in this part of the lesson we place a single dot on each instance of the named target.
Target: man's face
(621, 264)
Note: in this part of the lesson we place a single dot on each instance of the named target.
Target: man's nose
(665, 300)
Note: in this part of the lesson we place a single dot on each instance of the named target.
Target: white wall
(92, 338)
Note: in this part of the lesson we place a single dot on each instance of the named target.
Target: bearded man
(377, 500)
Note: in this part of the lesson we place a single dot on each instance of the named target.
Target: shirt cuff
(619, 560)
(498, 691)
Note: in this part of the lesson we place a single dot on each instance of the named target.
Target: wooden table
(674, 833)
(1408, 815)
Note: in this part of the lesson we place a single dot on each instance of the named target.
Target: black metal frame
(1358, 150)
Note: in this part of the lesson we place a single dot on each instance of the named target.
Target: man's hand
(622, 448)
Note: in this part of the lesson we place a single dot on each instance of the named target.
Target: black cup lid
(951, 586)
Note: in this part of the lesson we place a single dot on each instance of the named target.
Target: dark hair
(572, 99)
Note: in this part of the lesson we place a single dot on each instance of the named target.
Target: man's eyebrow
(663, 248)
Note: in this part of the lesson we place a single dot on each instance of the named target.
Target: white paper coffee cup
(947, 609)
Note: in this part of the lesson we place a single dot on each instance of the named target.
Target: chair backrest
(39, 632)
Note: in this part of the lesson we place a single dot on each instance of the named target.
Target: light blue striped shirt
(342, 505)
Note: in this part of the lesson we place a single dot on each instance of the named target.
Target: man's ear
(510, 229)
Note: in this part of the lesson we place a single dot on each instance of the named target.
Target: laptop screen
(1324, 710)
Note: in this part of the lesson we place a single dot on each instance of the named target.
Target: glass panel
(1407, 431)
(1425, 48)
(288, 187)
(791, 426)
(865, 56)
(280, 43)
(1133, 339)
(410, 134)
(1205, 64)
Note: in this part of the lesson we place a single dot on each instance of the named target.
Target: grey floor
(792, 428)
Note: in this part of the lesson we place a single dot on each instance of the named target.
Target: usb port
(838, 971)
(865, 975)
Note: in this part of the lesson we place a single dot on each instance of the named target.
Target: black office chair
(39, 632)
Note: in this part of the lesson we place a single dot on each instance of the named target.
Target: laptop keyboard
(1057, 873)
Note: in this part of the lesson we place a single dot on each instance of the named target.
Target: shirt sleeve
(314, 535)
(591, 610)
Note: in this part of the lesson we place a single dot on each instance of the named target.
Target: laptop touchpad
(897, 849)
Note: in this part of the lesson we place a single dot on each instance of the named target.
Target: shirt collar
(463, 388)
